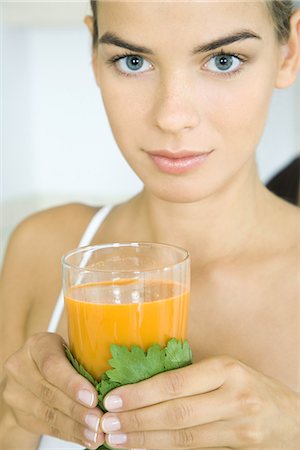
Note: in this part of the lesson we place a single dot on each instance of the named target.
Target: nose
(176, 106)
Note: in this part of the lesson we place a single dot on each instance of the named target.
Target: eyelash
(112, 62)
(242, 60)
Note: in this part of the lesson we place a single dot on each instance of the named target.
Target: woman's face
(202, 83)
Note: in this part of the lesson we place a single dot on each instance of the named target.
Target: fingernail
(86, 397)
(113, 402)
(92, 421)
(90, 435)
(117, 438)
(110, 424)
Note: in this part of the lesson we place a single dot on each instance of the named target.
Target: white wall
(54, 127)
(281, 139)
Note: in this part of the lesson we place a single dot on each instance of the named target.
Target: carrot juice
(104, 313)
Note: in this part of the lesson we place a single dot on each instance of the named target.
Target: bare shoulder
(39, 237)
(58, 220)
(42, 234)
(31, 272)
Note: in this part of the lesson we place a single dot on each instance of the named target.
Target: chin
(200, 185)
(180, 194)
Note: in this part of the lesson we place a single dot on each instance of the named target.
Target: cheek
(126, 108)
(241, 114)
(232, 112)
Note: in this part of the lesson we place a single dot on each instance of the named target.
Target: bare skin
(244, 246)
(252, 320)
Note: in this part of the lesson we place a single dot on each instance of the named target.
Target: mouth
(178, 161)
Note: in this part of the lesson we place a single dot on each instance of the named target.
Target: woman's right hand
(47, 395)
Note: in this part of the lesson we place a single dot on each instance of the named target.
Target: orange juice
(94, 322)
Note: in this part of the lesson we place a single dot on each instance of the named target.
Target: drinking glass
(125, 294)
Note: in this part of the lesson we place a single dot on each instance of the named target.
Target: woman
(187, 88)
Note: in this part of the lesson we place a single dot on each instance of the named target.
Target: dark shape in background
(286, 183)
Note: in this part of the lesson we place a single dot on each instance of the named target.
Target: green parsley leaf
(177, 354)
(131, 366)
(104, 446)
(134, 365)
(79, 367)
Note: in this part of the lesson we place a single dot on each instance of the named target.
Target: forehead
(182, 19)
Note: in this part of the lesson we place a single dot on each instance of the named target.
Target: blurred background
(53, 124)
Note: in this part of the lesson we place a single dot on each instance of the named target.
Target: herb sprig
(134, 365)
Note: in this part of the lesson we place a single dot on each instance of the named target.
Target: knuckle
(47, 364)
(236, 370)
(50, 415)
(11, 365)
(173, 383)
(180, 413)
(250, 435)
(220, 365)
(47, 392)
(135, 422)
(73, 410)
(140, 440)
(184, 438)
(249, 403)
(223, 361)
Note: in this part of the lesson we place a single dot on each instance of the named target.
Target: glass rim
(84, 249)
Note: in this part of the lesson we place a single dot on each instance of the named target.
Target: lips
(178, 162)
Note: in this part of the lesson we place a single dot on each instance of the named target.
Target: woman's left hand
(216, 403)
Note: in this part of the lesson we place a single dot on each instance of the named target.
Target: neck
(221, 225)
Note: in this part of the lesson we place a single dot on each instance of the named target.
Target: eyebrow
(226, 40)
(114, 39)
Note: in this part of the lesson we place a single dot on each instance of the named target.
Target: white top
(49, 442)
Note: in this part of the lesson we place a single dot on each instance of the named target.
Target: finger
(42, 418)
(19, 398)
(202, 377)
(49, 356)
(43, 357)
(65, 431)
(173, 414)
(210, 435)
(49, 394)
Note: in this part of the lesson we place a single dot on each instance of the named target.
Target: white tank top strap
(86, 239)
(49, 442)
(94, 225)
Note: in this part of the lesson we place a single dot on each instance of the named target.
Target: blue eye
(132, 63)
(224, 63)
